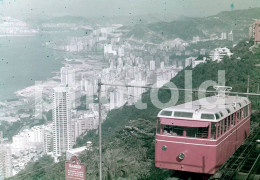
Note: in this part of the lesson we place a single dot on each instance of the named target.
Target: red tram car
(195, 138)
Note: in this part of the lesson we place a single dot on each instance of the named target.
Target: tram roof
(211, 108)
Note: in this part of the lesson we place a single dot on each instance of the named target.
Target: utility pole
(248, 84)
(257, 96)
(100, 123)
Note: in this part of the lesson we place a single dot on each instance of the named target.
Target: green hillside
(128, 133)
(186, 28)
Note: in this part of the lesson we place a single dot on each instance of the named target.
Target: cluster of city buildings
(130, 63)
(55, 138)
(227, 36)
(14, 27)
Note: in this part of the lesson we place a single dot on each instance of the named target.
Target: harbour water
(24, 60)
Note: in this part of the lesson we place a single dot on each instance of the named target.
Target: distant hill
(67, 19)
(185, 28)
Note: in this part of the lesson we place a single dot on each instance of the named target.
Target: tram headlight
(164, 148)
(181, 156)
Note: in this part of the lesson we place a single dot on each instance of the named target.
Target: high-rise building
(5, 161)
(152, 65)
(67, 77)
(116, 97)
(223, 35)
(230, 36)
(61, 116)
(134, 93)
(189, 60)
(48, 139)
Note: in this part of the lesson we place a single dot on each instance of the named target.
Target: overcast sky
(98, 8)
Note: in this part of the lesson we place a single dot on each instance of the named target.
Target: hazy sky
(99, 8)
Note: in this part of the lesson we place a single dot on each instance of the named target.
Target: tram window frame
(213, 130)
(225, 124)
(158, 126)
(166, 113)
(217, 116)
(242, 113)
(172, 130)
(238, 116)
(197, 132)
(219, 128)
(228, 110)
(228, 121)
(183, 114)
(246, 111)
(207, 116)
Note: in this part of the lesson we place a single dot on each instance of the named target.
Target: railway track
(244, 163)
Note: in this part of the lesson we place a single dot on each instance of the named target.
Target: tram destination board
(74, 170)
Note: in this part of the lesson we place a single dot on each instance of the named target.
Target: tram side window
(213, 130)
(173, 130)
(220, 128)
(225, 124)
(238, 115)
(246, 111)
(231, 120)
(228, 123)
(201, 132)
(217, 116)
(166, 113)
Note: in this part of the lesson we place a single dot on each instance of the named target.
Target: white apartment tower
(61, 116)
(48, 139)
(5, 161)
(67, 76)
(231, 36)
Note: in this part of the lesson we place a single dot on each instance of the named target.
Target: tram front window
(172, 130)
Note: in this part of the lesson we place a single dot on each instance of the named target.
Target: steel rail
(253, 167)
